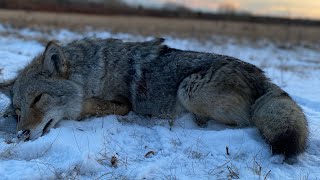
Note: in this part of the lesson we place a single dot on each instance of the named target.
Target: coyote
(96, 77)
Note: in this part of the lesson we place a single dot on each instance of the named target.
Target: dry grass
(151, 26)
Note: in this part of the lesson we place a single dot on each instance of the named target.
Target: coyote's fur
(92, 77)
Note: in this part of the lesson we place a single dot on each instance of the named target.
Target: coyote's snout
(94, 77)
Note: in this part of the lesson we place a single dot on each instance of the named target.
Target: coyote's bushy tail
(280, 120)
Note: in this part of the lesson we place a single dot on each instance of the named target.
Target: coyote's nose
(24, 134)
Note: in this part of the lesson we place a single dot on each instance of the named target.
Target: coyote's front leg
(98, 107)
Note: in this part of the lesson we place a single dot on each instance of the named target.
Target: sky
(288, 8)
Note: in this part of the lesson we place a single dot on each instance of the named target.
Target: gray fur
(104, 76)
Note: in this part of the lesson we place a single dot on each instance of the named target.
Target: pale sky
(287, 8)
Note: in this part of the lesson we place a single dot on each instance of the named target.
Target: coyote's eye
(37, 99)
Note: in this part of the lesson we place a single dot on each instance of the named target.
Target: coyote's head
(41, 94)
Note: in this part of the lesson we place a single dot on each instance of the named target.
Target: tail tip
(290, 143)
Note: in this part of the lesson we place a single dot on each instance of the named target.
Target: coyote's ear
(5, 87)
(54, 60)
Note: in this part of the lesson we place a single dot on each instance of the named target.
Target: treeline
(118, 7)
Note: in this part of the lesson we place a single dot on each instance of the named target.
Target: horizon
(308, 9)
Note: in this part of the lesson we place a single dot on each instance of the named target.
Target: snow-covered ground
(134, 147)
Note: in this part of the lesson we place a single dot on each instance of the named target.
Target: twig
(265, 177)
(76, 140)
(50, 146)
(233, 174)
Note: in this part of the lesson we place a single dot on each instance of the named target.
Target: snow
(135, 147)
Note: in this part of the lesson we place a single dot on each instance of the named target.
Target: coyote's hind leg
(221, 94)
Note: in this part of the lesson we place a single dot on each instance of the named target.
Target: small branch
(227, 150)
(265, 177)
